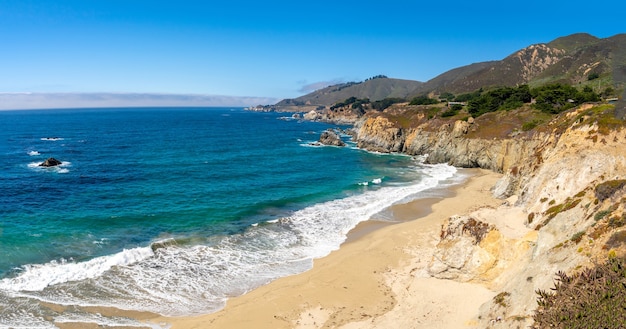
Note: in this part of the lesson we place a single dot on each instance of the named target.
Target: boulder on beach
(50, 162)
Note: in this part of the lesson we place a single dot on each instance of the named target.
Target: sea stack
(330, 137)
(50, 162)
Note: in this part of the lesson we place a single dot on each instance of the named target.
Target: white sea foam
(38, 277)
(60, 169)
(33, 153)
(179, 280)
(377, 181)
(52, 139)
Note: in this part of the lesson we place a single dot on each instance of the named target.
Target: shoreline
(373, 280)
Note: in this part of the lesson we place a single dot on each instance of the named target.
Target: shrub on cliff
(594, 298)
(606, 190)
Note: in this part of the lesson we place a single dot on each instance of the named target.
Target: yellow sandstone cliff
(552, 217)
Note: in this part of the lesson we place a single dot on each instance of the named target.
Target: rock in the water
(330, 137)
(50, 162)
(312, 116)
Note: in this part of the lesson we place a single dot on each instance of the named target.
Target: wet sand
(377, 279)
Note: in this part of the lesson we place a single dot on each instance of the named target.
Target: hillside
(575, 59)
(579, 59)
(374, 89)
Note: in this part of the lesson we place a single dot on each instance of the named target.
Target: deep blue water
(200, 203)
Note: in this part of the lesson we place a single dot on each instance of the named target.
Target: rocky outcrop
(50, 162)
(378, 134)
(330, 137)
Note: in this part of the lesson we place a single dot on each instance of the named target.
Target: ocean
(174, 210)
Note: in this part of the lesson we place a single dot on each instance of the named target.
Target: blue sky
(270, 49)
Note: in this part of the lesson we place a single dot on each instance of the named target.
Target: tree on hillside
(385, 103)
(503, 98)
(423, 100)
(468, 97)
(380, 76)
(556, 98)
(447, 96)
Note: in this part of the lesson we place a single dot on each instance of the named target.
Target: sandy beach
(377, 279)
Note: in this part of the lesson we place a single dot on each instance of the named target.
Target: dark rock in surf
(50, 162)
(330, 137)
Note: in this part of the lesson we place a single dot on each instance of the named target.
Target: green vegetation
(555, 210)
(447, 96)
(380, 76)
(385, 103)
(452, 111)
(593, 298)
(577, 237)
(556, 98)
(601, 214)
(500, 298)
(603, 116)
(551, 99)
(606, 189)
(530, 125)
(347, 102)
(356, 103)
(593, 76)
(423, 100)
(469, 96)
(504, 98)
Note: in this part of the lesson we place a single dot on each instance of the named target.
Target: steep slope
(571, 59)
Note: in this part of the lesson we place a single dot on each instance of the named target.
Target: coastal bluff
(550, 219)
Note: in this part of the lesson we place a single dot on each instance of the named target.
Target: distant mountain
(577, 59)
(573, 59)
(374, 89)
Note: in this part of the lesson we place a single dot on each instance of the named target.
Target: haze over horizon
(244, 53)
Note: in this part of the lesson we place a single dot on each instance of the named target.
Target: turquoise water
(173, 210)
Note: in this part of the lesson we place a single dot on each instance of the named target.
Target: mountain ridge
(576, 59)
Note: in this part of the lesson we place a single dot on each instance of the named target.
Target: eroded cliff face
(550, 219)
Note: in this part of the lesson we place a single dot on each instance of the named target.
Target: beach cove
(378, 280)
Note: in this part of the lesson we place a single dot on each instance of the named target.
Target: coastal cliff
(551, 219)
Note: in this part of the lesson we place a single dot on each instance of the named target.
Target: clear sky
(272, 49)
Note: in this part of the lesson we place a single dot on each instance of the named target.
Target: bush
(577, 237)
(452, 111)
(423, 100)
(601, 214)
(385, 103)
(605, 190)
(529, 125)
(594, 298)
